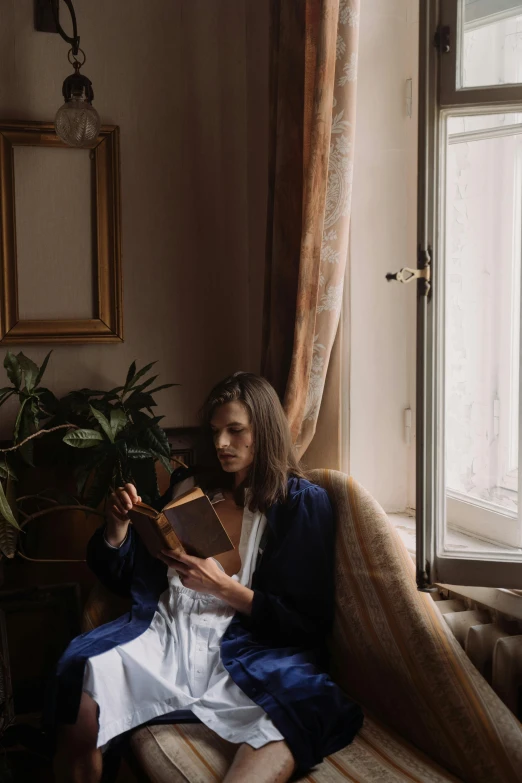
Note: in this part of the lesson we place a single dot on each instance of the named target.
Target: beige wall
(384, 217)
(186, 81)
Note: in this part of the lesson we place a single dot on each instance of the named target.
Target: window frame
(450, 95)
(438, 94)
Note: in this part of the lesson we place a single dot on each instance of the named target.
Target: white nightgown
(176, 663)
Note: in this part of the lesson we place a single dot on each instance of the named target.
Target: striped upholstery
(392, 652)
(193, 754)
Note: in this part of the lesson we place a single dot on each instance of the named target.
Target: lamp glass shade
(77, 122)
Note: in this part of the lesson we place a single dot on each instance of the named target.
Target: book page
(186, 497)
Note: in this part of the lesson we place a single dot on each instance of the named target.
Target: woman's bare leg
(77, 759)
(273, 763)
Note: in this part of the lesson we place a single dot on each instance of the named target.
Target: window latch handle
(406, 274)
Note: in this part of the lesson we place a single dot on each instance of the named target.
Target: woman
(238, 640)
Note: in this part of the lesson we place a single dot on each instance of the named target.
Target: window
(481, 232)
(470, 219)
(491, 43)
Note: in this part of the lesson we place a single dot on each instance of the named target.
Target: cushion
(394, 654)
(192, 753)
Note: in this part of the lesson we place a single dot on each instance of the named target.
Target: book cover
(189, 522)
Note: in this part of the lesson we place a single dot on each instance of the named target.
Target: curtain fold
(313, 72)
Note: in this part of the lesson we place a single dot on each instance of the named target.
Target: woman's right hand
(120, 503)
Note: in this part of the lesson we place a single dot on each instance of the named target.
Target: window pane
(491, 42)
(483, 230)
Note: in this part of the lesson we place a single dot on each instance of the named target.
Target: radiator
(507, 672)
(492, 642)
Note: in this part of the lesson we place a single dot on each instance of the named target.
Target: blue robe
(277, 655)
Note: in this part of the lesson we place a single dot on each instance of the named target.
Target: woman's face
(233, 437)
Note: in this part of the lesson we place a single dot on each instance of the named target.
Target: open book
(189, 522)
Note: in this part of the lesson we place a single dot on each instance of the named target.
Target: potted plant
(108, 437)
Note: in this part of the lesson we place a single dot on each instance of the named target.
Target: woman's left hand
(196, 573)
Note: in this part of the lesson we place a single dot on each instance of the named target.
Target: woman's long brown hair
(274, 455)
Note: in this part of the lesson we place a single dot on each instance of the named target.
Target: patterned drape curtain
(312, 116)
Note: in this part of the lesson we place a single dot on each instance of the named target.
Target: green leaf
(156, 439)
(146, 383)
(30, 370)
(139, 400)
(5, 509)
(118, 421)
(166, 463)
(25, 427)
(19, 419)
(10, 471)
(83, 439)
(42, 369)
(26, 423)
(112, 394)
(130, 375)
(14, 373)
(4, 395)
(33, 414)
(136, 453)
(143, 421)
(163, 386)
(142, 372)
(8, 532)
(86, 393)
(103, 422)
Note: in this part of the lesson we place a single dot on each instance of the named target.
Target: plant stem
(36, 497)
(37, 434)
(31, 517)
(54, 509)
(45, 559)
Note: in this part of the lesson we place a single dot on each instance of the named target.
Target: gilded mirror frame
(106, 325)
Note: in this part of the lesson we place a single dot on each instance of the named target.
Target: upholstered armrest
(393, 653)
